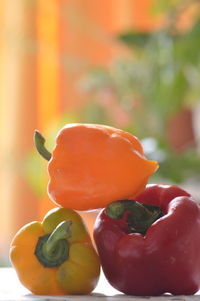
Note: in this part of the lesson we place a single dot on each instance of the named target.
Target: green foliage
(163, 6)
(172, 64)
(159, 78)
(174, 166)
(178, 167)
(134, 38)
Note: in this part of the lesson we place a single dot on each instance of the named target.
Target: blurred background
(131, 64)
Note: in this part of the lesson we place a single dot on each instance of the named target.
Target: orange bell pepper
(56, 256)
(93, 165)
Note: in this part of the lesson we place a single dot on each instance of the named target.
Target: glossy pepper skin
(76, 273)
(93, 165)
(166, 258)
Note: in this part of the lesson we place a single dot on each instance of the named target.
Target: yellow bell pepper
(56, 256)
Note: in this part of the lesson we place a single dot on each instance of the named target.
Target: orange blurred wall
(18, 115)
(44, 48)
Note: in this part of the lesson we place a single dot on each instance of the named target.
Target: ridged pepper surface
(56, 256)
(151, 245)
(93, 165)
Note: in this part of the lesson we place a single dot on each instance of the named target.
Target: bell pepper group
(147, 236)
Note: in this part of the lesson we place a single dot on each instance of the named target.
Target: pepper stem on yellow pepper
(53, 249)
(62, 231)
(39, 141)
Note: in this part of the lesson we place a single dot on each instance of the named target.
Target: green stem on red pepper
(139, 217)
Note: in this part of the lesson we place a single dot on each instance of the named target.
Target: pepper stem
(62, 231)
(139, 217)
(39, 141)
(53, 249)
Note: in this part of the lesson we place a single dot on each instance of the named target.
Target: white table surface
(12, 290)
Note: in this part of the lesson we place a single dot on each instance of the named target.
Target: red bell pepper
(151, 245)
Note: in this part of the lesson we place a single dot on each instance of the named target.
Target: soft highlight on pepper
(149, 246)
(93, 165)
(56, 256)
